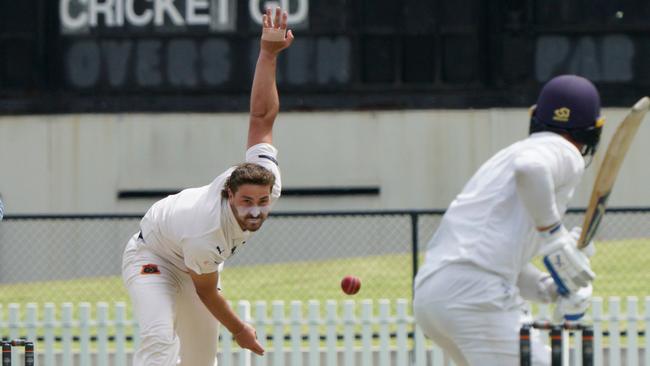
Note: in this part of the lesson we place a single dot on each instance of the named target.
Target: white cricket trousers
(173, 321)
(475, 317)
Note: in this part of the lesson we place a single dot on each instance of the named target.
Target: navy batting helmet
(569, 104)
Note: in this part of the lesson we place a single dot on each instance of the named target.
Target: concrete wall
(419, 159)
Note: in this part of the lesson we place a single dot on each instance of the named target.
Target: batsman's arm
(536, 285)
(536, 189)
(206, 289)
(265, 103)
(568, 267)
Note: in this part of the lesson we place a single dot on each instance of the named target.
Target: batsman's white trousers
(173, 321)
(475, 317)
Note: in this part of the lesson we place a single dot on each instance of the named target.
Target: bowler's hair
(248, 173)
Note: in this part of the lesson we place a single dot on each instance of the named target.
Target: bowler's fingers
(276, 20)
(289, 39)
(275, 27)
(257, 349)
(283, 23)
(269, 18)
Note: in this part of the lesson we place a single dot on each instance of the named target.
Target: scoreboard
(198, 55)
(159, 45)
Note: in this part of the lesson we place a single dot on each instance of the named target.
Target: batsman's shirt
(195, 228)
(487, 225)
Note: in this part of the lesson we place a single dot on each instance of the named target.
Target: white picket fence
(347, 333)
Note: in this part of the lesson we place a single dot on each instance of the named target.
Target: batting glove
(569, 267)
(590, 249)
(573, 306)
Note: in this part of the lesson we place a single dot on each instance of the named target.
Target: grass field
(621, 268)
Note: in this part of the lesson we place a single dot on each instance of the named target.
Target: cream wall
(419, 159)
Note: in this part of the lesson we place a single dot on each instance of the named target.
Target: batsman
(470, 292)
(172, 266)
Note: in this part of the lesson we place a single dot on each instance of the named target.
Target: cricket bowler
(171, 267)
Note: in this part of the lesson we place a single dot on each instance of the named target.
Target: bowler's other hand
(247, 338)
(275, 36)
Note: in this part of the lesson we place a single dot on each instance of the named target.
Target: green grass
(382, 277)
(620, 266)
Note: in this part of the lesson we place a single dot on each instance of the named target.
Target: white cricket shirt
(487, 224)
(196, 228)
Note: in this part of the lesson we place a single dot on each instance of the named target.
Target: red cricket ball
(350, 284)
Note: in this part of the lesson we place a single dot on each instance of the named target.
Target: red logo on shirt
(150, 268)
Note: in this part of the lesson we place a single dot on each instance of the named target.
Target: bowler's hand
(275, 36)
(247, 338)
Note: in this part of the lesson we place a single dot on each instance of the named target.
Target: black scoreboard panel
(198, 55)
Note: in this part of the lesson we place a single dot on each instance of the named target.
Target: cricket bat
(618, 147)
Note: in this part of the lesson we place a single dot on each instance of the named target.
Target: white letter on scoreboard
(167, 6)
(192, 18)
(95, 7)
(68, 22)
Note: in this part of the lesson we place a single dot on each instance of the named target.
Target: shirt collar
(558, 137)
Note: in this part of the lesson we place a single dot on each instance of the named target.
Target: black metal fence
(301, 256)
